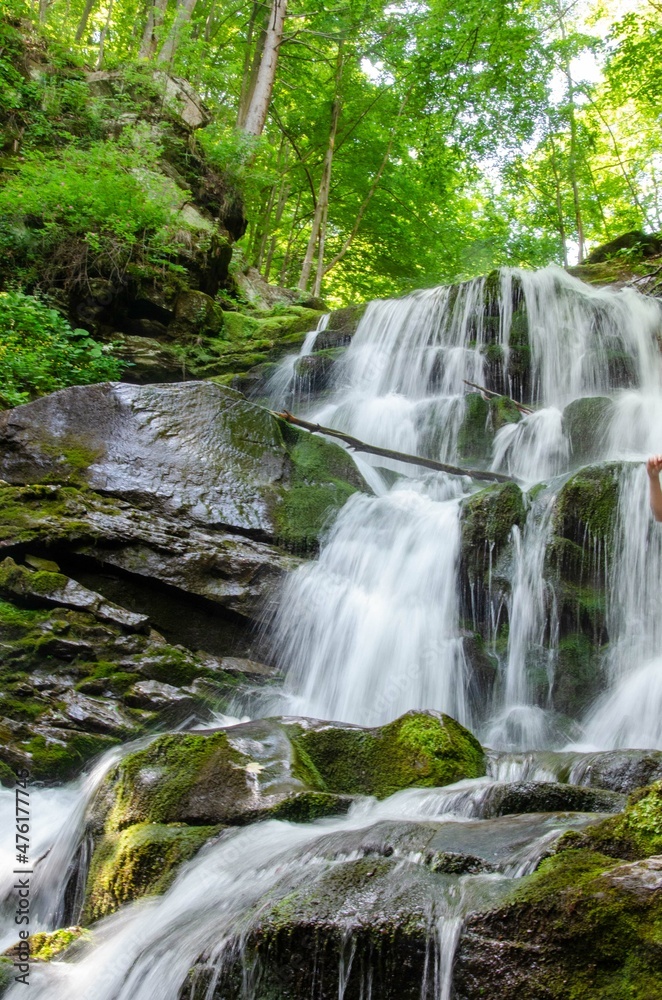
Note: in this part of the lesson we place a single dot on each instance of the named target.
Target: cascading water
(375, 622)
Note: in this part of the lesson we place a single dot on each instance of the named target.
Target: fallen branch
(396, 456)
(498, 395)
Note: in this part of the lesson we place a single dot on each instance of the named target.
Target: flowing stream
(378, 625)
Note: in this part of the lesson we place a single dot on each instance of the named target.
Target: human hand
(654, 466)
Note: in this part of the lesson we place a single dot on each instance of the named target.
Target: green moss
(25, 582)
(150, 784)
(138, 861)
(323, 477)
(57, 762)
(305, 807)
(12, 617)
(578, 676)
(503, 411)
(417, 750)
(473, 441)
(7, 776)
(488, 518)
(173, 666)
(45, 946)
(587, 504)
(633, 834)
(593, 937)
(7, 973)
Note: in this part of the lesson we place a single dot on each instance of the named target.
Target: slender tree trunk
(260, 96)
(322, 207)
(43, 8)
(280, 208)
(104, 34)
(573, 146)
(287, 257)
(153, 26)
(559, 204)
(252, 61)
(182, 16)
(84, 18)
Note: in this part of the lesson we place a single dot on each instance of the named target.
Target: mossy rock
(488, 518)
(420, 749)
(194, 450)
(375, 909)
(474, 440)
(138, 861)
(44, 946)
(578, 674)
(587, 505)
(585, 424)
(503, 411)
(583, 927)
(634, 834)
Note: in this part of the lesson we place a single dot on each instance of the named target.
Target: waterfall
(283, 386)
(372, 627)
(629, 714)
(521, 722)
(377, 628)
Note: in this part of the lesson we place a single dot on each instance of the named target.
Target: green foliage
(40, 353)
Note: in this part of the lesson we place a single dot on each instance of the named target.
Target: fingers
(654, 465)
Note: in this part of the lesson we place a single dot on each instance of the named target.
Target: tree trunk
(573, 146)
(182, 17)
(104, 34)
(280, 208)
(153, 26)
(252, 61)
(559, 204)
(84, 18)
(322, 207)
(260, 97)
(43, 7)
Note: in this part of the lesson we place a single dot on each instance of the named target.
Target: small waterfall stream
(376, 625)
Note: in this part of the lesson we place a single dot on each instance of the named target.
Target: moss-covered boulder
(195, 450)
(376, 910)
(44, 946)
(487, 520)
(583, 926)
(474, 440)
(633, 834)
(420, 749)
(587, 504)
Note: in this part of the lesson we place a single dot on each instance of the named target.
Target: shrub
(39, 351)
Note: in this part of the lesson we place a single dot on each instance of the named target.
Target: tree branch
(397, 456)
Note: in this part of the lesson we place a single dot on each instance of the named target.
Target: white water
(283, 387)
(145, 951)
(372, 628)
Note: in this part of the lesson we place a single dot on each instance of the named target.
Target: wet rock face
(366, 921)
(583, 925)
(193, 450)
(80, 674)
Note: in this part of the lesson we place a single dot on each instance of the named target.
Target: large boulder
(293, 769)
(195, 451)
